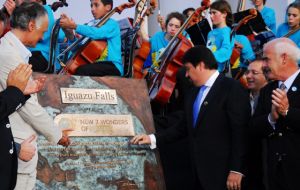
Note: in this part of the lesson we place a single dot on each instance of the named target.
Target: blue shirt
(283, 29)
(158, 44)
(247, 54)
(110, 32)
(44, 45)
(268, 15)
(219, 42)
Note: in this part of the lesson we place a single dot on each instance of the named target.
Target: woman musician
(110, 62)
(161, 39)
(292, 24)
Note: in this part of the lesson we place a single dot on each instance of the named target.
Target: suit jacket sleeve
(293, 119)
(35, 115)
(10, 99)
(260, 125)
(239, 112)
(177, 128)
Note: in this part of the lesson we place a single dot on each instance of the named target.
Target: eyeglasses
(253, 72)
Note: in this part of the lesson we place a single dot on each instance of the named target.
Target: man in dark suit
(216, 132)
(277, 115)
(11, 99)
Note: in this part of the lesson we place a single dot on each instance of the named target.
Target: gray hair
(27, 12)
(284, 46)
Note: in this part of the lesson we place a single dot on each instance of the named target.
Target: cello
(140, 58)
(89, 50)
(162, 80)
(236, 52)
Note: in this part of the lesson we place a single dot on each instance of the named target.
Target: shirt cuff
(237, 173)
(153, 141)
(272, 123)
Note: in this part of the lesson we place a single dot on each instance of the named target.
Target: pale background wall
(79, 10)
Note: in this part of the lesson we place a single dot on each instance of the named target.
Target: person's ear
(108, 7)
(284, 57)
(31, 26)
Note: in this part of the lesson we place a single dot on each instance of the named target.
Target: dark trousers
(39, 63)
(277, 177)
(102, 68)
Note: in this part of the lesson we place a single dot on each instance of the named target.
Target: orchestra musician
(110, 62)
(292, 23)
(219, 40)
(40, 53)
(246, 54)
(267, 14)
(161, 39)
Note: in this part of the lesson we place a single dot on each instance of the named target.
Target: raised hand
(66, 22)
(10, 6)
(19, 76)
(34, 86)
(280, 101)
(27, 150)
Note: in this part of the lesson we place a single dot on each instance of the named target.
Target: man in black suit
(277, 115)
(216, 132)
(11, 99)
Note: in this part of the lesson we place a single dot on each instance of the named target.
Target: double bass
(87, 50)
(162, 80)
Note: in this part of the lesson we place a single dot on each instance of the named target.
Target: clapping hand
(34, 86)
(280, 101)
(19, 76)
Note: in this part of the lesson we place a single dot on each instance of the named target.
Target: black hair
(108, 2)
(25, 13)
(185, 12)
(176, 15)
(198, 54)
(224, 7)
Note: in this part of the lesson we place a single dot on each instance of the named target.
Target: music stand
(198, 32)
(256, 24)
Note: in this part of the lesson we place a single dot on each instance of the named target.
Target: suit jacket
(10, 99)
(31, 118)
(284, 141)
(217, 143)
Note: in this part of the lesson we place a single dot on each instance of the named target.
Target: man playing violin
(110, 62)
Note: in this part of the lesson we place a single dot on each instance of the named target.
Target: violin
(145, 48)
(162, 80)
(90, 50)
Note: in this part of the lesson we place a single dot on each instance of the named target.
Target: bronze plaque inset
(96, 125)
(98, 162)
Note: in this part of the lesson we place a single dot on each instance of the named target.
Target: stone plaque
(96, 125)
(99, 161)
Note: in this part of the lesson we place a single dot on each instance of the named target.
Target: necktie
(196, 106)
(282, 86)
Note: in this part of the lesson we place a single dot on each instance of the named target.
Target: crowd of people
(241, 132)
